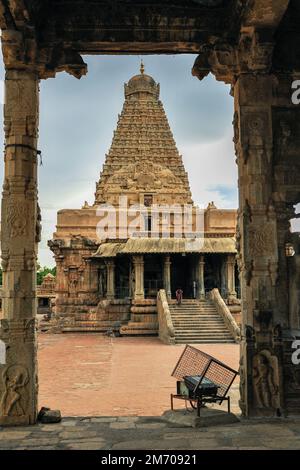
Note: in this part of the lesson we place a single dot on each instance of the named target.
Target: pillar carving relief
(20, 233)
(258, 241)
(264, 225)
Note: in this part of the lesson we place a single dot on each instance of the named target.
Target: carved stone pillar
(261, 392)
(138, 263)
(110, 292)
(231, 292)
(20, 232)
(167, 276)
(201, 285)
(266, 125)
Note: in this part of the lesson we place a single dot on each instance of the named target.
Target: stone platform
(209, 417)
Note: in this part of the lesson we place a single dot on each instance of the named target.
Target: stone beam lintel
(218, 56)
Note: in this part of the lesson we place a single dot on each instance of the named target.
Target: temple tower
(143, 156)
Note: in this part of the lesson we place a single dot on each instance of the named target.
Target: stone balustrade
(225, 313)
(166, 329)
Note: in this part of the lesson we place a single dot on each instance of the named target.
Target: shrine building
(143, 234)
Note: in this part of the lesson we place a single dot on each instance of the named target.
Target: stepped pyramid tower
(143, 155)
(104, 279)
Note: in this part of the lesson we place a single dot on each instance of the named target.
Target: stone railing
(166, 331)
(224, 311)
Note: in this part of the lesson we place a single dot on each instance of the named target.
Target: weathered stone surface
(77, 435)
(150, 425)
(103, 420)
(15, 435)
(122, 425)
(209, 417)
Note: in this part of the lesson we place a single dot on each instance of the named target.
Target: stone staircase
(197, 321)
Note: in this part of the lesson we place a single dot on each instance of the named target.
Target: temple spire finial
(142, 68)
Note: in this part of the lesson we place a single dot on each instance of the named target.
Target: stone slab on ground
(152, 433)
(208, 417)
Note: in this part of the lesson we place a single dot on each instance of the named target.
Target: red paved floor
(93, 375)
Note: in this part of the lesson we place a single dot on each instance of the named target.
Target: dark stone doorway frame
(252, 54)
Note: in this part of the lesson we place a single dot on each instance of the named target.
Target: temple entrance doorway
(181, 275)
(213, 274)
(153, 275)
(122, 278)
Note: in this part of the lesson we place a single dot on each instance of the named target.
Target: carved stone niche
(261, 240)
(263, 318)
(265, 377)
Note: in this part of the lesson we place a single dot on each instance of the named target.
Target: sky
(78, 117)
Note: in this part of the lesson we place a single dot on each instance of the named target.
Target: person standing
(179, 295)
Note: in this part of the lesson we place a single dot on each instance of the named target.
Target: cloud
(228, 193)
(212, 169)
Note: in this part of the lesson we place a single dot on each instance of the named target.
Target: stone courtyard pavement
(93, 375)
(121, 386)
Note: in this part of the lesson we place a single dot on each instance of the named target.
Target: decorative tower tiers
(143, 156)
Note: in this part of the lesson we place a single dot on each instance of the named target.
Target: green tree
(42, 272)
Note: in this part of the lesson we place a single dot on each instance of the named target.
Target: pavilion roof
(168, 246)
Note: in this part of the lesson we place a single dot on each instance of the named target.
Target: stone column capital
(201, 259)
(110, 262)
(22, 53)
(167, 260)
(138, 259)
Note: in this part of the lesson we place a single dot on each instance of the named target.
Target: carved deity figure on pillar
(15, 379)
(265, 380)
